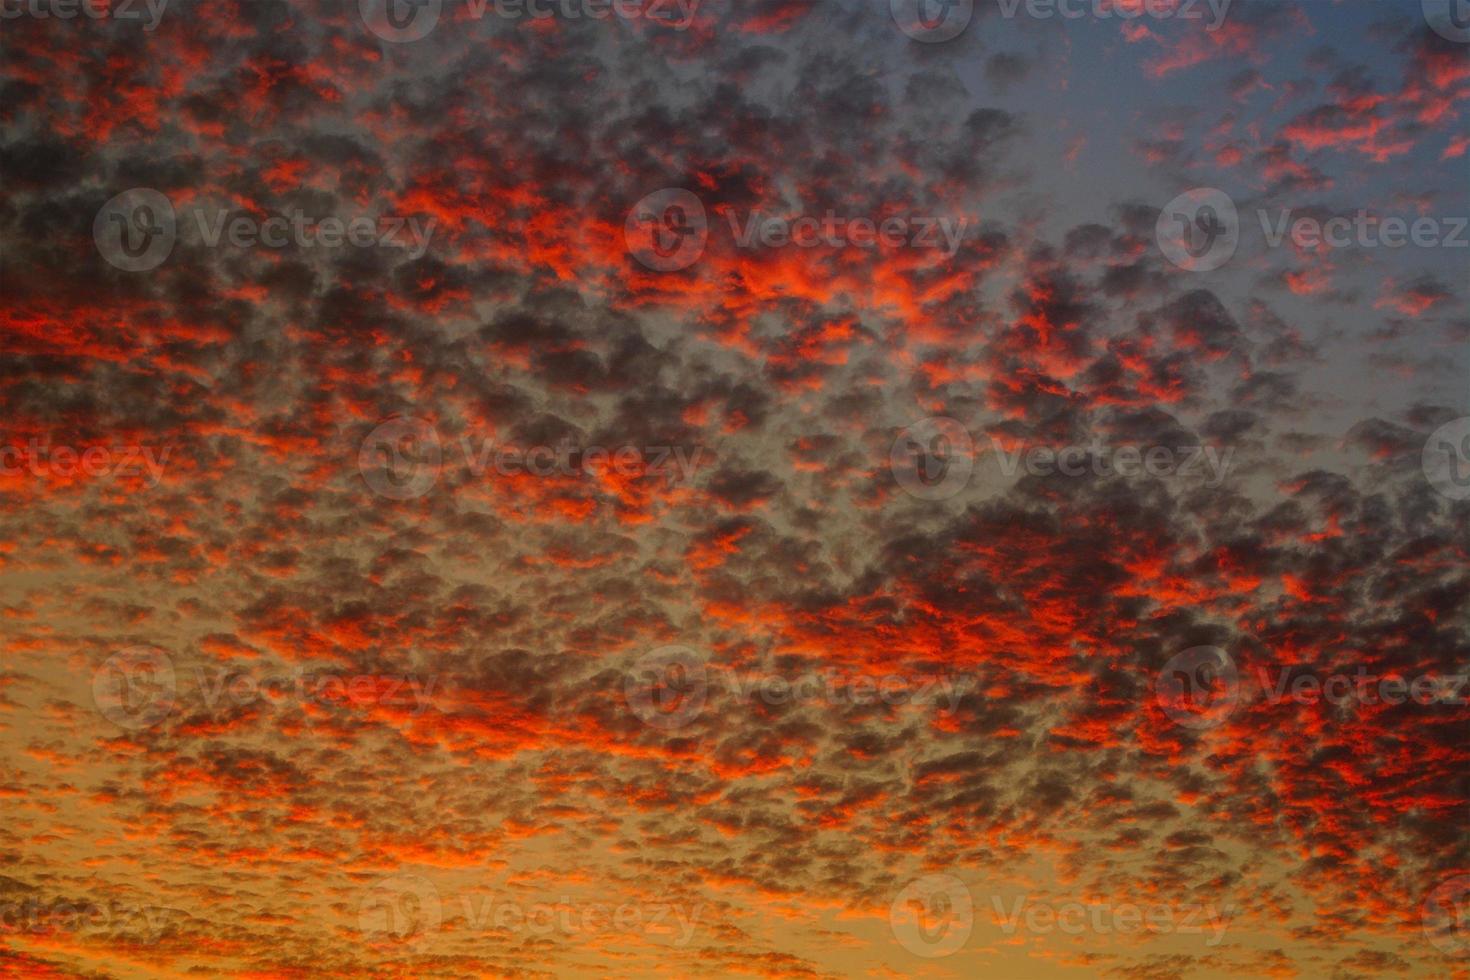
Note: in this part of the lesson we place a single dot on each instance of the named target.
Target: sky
(560, 488)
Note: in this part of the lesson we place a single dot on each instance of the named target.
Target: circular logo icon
(135, 230)
(400, 458)
(399, 21)
(933, 458)
(932, 916)
(1450, 19)
(1447, 459)
(399, 908)
(1199, 687)
(666, 688)
(1446, 916)
(134, 689)
(932, 21)
(666, 230)
(1198, 230)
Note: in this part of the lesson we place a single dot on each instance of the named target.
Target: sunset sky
(760, 488)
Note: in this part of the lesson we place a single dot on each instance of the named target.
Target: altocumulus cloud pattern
(735, 488)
